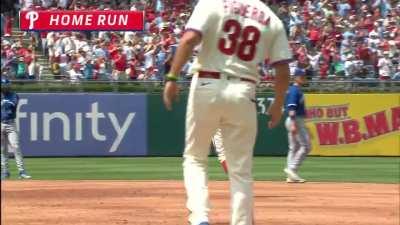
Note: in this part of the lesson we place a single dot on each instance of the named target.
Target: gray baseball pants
(299, 144)
(10, 139)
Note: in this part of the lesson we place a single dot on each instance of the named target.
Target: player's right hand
(171, 94)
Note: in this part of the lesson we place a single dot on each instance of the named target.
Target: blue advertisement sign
(82, 124)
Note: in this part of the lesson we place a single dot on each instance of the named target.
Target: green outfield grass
(332, 169)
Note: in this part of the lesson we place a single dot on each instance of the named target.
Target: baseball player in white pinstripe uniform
(235, 35)
(9, 134)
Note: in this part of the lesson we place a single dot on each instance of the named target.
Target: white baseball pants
(226, 103)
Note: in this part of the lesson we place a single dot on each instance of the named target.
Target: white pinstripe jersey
(237, 35)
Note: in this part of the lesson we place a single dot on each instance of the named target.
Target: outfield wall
(90, 124)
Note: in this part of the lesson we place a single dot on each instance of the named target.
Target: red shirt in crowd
(153, 28)
(384, 45)
(180, 4)
(363, 52)
(167, 40)
(150, 14)
(120, 62)
(43, 34)
(114, 37)
(302, 56)
(314, 34)
(22, 51)
(323, 70)
(113, 50)
(367, 24)
(132, 65)
(397, 40)
(28, 57)
(352, 3)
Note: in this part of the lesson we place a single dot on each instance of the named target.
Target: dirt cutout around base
(163, 203)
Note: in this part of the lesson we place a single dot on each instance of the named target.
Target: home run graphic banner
(111, 20)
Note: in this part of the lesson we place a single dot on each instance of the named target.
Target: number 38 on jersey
(240, 41)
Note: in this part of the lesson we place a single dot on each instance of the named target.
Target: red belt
(217, 75)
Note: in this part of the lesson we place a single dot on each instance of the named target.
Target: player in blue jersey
(9, 134)
(298, 135)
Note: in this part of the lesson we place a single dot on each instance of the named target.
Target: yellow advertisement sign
(354, 124)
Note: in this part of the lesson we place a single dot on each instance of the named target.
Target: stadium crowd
(345, 39)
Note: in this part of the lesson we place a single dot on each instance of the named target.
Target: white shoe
(24, 175)
(288, 180)
(293, 176)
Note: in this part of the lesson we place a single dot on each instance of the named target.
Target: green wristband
(171, 77)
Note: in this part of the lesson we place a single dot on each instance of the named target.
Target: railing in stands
(335, 86)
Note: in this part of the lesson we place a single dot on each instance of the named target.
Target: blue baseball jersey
(295, 101)
(9, 102)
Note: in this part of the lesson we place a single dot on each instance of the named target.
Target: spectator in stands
(324, 67)
(8, 20)
(62, 4)
(8, 51)
(46, 4)
(325, 31)
(51, 39)
(21, 68)
(88, 70)
(100, 68)
(132, 70)
(349, 66)
(56, 70)
(314, 35)
(373, 40)
(120, 65)
(161, 60)
(337, 66)
(67, 43)
(149, 57)
(30, 61)
(383, 6)
(314, 60)
(64, 63)
(396, 75)
(98, 51)
(343, 8)
(75, 74)
(385, 65)
(7, 12)
(128, 50)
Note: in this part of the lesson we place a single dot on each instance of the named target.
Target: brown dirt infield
(163, 203)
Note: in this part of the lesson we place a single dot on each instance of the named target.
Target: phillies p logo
(32, 16)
